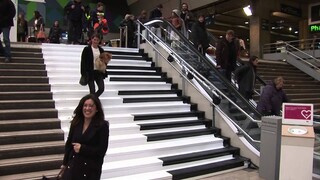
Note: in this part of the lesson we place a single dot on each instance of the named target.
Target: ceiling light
(247, 10)
(290, 28)
(246, 22)
(38, 1)
(296, 32)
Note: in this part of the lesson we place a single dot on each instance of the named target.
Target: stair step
(30, 164)
(161, 125)
(22, 72)
(28, 114)
(23, 66)
(23, 79)
(156, 99)
(206, 168)
(31, 149)
(194, 156)
(26, 95)
(26, 54)
(23, 104)
(157, 69)
(132, 73)
(29, 124)
(16, 137)
(24, 87)
(25, 49)
(141, 92)
(198, 114)
(181, 134)
(38, 175)
(136, 79)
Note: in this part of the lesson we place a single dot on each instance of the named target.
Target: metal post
(126, 40)
(138, 35)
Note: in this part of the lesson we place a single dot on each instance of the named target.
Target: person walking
(38, 25)
(272, 97)
(22, 28)
(89, 54)
(226, 54)
(187, 16)
(246, 77)
(8, 11)
(87, 142)
(154, 14)
(199, 35)
(75, 11)
(55, 33)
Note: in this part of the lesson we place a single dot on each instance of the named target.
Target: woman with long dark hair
(88, 69)
(246, 77)
(87, 141)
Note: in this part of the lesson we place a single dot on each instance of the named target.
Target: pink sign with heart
(298, 112)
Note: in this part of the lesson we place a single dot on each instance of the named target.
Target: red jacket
(102, 26)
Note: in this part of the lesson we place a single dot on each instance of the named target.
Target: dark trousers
(98, 77)
(6, 50)
(21, 37)
(74, 31)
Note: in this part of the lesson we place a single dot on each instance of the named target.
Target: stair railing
(292, 50)
(189, 73)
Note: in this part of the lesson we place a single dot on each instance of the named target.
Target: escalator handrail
(223, 79)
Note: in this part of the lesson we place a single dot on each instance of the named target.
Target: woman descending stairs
(155, 132)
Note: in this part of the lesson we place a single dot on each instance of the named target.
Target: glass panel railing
(235, 106)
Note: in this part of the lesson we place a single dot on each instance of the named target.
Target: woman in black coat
(87, 141)
(199, 35)
(89, 54)
(246, 77)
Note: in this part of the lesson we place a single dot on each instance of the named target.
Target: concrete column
(260, 26)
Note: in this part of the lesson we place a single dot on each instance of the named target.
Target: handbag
(41, 34)
(83, 80)
(100, 66)
(58, 177)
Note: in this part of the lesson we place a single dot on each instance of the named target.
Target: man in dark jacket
(246, 77)
(8, 11)
(187, 16)
(75, 11)
(272, 97)
(154, 14)
(199, 35)
(226, 54)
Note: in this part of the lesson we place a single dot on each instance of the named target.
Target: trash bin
(115, 42)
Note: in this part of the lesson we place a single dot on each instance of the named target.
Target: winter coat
(226, 54)
(86, 164)
(246, 77)
(55, 34)
(199, 35)
(271, 100)
(8, 11)
(75, 14)
(87, 67)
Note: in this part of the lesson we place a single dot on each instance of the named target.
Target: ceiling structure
(229, 14)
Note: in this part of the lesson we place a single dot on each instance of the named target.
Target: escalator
(197, 67)
(223, 93)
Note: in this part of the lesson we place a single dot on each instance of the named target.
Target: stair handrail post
(138, 35)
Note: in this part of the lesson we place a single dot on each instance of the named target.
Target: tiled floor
(246, 174)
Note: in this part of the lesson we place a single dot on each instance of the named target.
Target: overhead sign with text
(314, 13)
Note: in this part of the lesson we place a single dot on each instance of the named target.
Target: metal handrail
(196, 75)
(306, 62)
(288, 45)
(195, 51)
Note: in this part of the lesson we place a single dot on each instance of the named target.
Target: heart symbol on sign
(306, 113)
